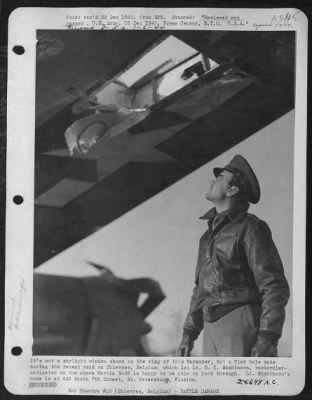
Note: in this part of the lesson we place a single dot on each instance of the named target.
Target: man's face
(219, 188)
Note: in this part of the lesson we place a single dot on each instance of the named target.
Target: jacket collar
(235, 214)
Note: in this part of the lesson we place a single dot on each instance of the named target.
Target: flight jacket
(238, 264)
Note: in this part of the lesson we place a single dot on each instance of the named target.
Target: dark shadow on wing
(159, 119)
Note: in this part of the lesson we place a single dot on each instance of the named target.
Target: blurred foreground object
(92, 316)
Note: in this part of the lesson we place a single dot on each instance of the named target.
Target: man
(240, 289)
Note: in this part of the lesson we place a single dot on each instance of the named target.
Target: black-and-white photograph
(164, 186)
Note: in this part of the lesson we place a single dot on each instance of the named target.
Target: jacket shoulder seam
(257, 225)
(255, 221)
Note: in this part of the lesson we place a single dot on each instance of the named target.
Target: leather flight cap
(239, 165)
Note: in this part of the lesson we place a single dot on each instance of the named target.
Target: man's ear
(232, 191)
